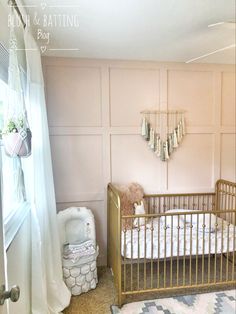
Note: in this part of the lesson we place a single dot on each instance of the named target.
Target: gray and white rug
(207, 303)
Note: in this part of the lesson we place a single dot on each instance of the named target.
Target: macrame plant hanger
(16, 132)
(167, 132)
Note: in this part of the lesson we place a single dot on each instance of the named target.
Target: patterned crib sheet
(164, 241)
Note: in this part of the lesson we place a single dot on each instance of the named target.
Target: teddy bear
(129, 195)
(139, 210)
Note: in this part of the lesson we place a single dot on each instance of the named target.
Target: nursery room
(118, 156)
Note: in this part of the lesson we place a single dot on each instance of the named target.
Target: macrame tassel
(151, 142)
(181, 130)
(183, 126)
(166, 153)
(175, 139)
(153, 146)
(179, 137)
(158, 146)
(143, 128)
(162, 151)
(147, 130)
(170, 144)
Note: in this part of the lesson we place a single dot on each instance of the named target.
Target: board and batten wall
(94, 119)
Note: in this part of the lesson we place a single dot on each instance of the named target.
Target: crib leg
(120, 299)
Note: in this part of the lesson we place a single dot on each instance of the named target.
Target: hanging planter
(17, 139)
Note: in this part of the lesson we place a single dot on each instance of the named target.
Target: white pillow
(203, 223)
(166, 220)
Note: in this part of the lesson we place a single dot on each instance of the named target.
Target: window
(14, 203)
(3, 91)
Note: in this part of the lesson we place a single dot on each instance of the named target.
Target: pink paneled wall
(94, 118)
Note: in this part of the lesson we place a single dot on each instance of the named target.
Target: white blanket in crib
(165, 241)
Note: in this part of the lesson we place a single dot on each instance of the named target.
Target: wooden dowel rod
(162, 111)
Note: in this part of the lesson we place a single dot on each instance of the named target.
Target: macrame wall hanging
(163, 131)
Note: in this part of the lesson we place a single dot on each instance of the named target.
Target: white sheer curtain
(49, 293)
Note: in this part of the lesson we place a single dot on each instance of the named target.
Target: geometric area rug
(206, 303)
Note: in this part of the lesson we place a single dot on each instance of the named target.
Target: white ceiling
(161, 30)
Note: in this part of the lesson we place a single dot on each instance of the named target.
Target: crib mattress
(164, 243)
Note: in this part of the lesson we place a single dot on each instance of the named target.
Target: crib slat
(190, 260)
(203, 248)
(131, 264)
(216, 231)
(184, 250)
(145, 254)
(138, 254)
(124, 278)
(227, 254)
(221, 252)
(171, 257)
(233, 262)
(165, 253)
(196, 279)
(158, 260)
(177, 279)
(151, 252)
(209, 250)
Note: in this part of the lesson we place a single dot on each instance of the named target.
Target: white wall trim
(81, 197)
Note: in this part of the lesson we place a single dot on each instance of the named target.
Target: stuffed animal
(139, 210)
(129, 194)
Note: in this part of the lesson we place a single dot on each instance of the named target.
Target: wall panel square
(131, 91)
(77, 166)
(133, 161)
(228, 109)
(191, 165)
(228, 157)
(192, 91)
(73, 96)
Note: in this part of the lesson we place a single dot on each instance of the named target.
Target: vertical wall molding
(163, 179)
(217, 119)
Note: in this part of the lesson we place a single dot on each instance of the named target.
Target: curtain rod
(13, 4)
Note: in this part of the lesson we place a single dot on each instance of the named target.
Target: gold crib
(146, 270)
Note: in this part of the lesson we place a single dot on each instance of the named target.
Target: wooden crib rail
(160, 203)
(226, 199)
(225, 194)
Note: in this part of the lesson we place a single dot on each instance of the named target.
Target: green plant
(10, 127)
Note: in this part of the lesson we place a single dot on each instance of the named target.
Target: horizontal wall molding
(68, 130)
(228, 129)
(86, 62)
(75, 131)
(65, 199)
(82, 197)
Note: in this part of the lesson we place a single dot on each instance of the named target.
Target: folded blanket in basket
(75, 251)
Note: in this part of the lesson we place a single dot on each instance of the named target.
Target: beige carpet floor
(99, 300)
(96, 301)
